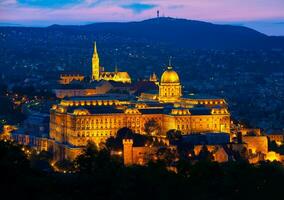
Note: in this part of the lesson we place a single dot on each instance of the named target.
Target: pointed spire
(170, 63)
(95, 47)
(95, 64)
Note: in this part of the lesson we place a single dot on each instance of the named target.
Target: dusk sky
(266, 16)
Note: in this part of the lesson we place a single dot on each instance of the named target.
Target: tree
(41, 160)
(93, 161)
(167, 155)
(12, 156)
(205, 154)
(174, 135)
(65, 165)
(124, 133)
(152, 128)
(115, 143)
(272, 146)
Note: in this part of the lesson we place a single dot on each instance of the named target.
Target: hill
(184, 33)
(177, 32)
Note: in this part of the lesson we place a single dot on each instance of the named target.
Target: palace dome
(170, 76)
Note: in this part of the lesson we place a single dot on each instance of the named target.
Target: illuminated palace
(98, 73)
(77, 120)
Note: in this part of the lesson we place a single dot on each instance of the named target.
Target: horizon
(254, 25)
(264, 16)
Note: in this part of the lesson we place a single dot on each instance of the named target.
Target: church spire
(95, 64)
(95, 48)
(170, 63)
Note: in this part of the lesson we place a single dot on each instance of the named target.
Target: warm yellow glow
(273, 156)
(170, 76)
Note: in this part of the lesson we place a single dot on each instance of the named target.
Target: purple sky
(264, 15)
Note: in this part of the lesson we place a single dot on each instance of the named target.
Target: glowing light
(273, 156)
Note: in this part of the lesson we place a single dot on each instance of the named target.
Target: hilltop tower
(95, 64)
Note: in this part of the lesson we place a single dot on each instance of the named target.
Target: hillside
(177, 32)
(184, 33)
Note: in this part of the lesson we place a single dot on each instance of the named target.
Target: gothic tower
(95, 64)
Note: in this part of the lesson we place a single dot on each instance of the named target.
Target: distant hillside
(139, 47)
(182, 32)
(177, 32)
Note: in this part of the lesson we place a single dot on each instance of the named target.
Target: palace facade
(76, 120)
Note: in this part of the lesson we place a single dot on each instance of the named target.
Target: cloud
(175, 6)
(49, 3)
(139, 7)
(46, 12)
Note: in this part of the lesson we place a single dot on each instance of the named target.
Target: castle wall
(256, 143)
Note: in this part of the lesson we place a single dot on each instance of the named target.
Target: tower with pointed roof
(95, 64)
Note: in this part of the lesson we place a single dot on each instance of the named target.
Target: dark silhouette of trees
(152, 128)
(92, 160)
(205, 155)
(115, 143)
(277, 148)
(99, 175)
(41, 160)
(174, 135)
(65, 165)
(167, 155)
(125, 133)
(12, 156)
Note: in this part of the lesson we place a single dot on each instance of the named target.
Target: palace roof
(95, 109)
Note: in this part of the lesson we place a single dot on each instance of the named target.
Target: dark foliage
(174, 135)
(101, 177)
(277, 148)
(115, 143)
(152, 127)
(11, 115)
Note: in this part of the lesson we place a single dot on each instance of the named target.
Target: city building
(98, 73)
(76, 120)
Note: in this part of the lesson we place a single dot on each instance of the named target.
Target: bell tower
(95, 64)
